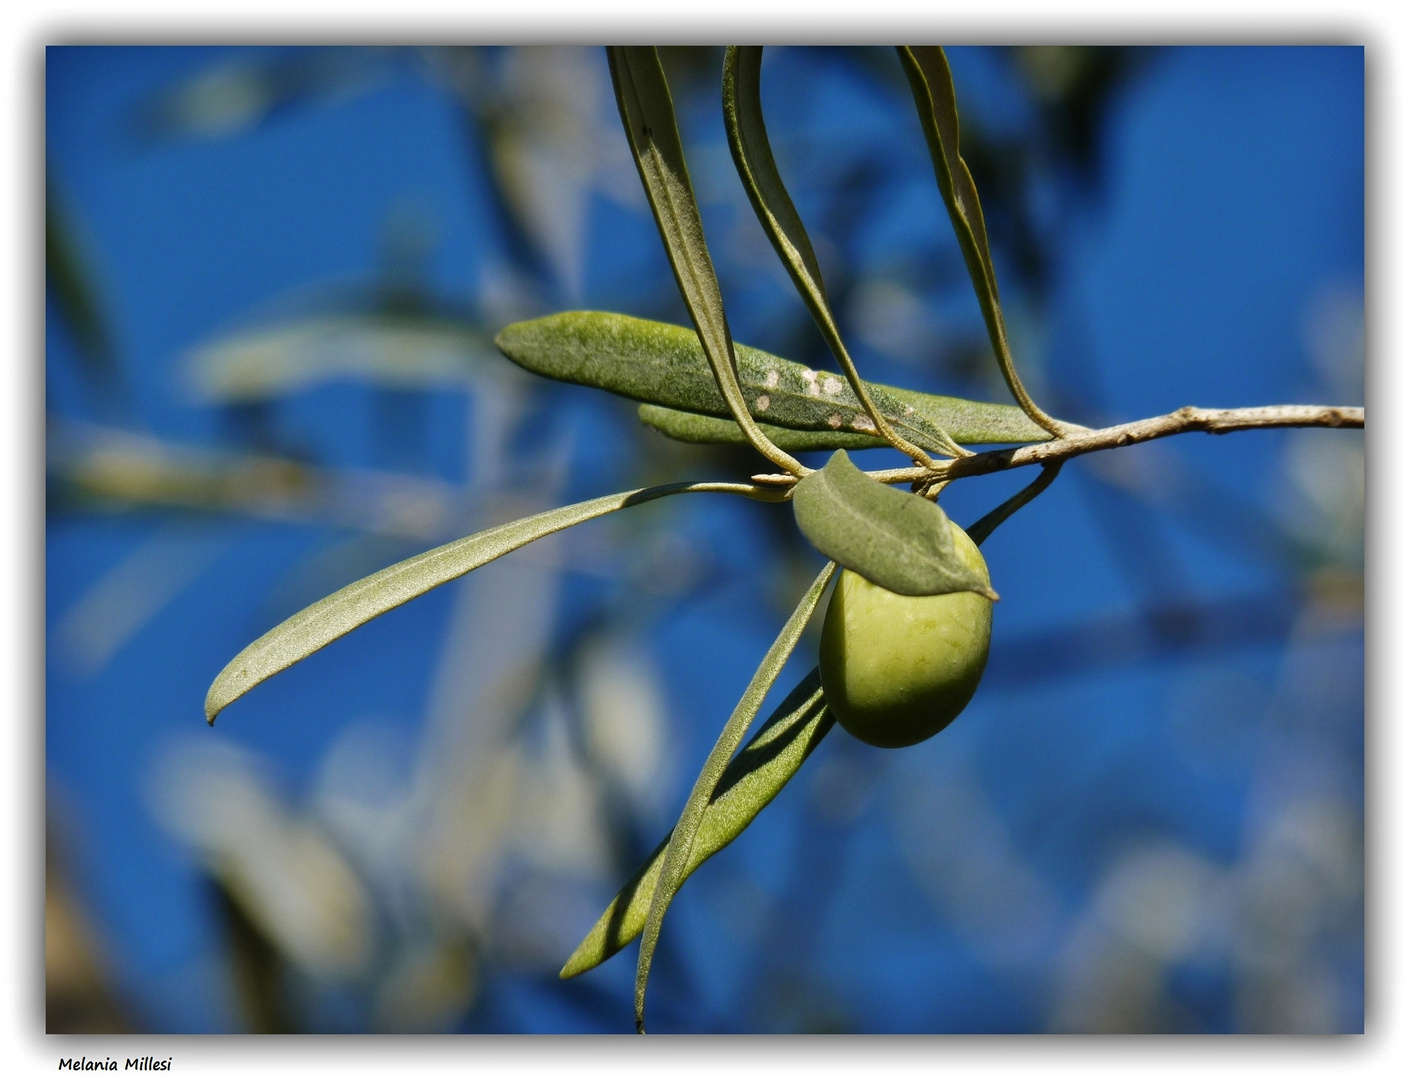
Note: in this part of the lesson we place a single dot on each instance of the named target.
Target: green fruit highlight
(897, 669)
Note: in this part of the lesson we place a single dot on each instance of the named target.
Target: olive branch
(699, 385)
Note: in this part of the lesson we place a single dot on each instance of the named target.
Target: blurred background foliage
(273, 274)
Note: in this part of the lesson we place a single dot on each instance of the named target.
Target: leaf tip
(504, 340)
(577, 963)
(213, 704)
(226, 688)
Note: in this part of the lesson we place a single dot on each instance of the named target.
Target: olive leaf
(649, 119)
(694, 428)
(977, 422)
(676, 857)
(754, 776)
(928, 73)
(317, 625)
(662, 364)
(754, 160)
(981, 529)
(894, 539)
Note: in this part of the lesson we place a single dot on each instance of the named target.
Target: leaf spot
(835, 421)
(831, 384)
(771, 380)
(762, 403)
(863, 423)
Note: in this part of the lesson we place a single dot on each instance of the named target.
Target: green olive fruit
(897, 669)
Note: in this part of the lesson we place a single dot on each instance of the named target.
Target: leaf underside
(677, 854)
(663, 365)
(317, 625)
(892, 538)
(754, 776)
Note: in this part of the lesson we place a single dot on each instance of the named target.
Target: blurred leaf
(662, 364)
(899, 541)
(755, 775)
(257, 966)
(649, 120)
(345, 610)
(80, 996)
(542, 126)
(431, 983)
(281, 868)
(1075, 86)
(71, 278)
(227, 98)
(410, 351)
(754, 159)
(683, 837)
(112, 468)
(113, 464)
(124, 600)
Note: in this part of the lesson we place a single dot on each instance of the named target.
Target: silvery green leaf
(754, 776)
(683, 837)
(894, 539)
(649, 119)
(317, 625)
(662, 364)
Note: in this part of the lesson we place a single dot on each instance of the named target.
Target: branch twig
(1190, 418)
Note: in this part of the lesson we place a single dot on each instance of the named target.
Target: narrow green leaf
(928, 72)
(754, 776)
(683, 836)
(754, 160)
(649, 119)
(693, 428)
(317, 625)
(934, 91)
(981, 529)
(662, 364)
(892, 538)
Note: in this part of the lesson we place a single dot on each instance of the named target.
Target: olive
(897, 669)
